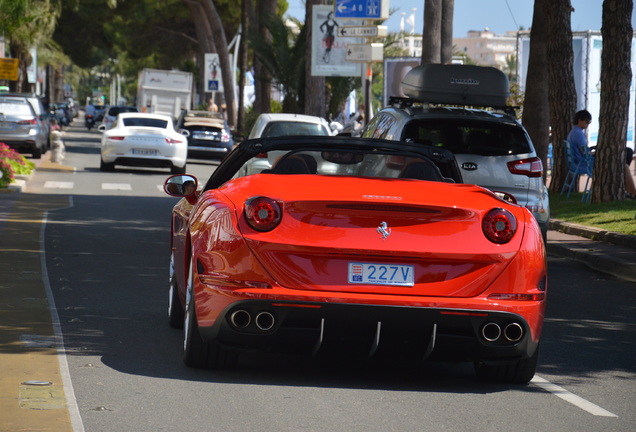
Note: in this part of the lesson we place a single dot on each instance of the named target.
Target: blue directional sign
(362, 9)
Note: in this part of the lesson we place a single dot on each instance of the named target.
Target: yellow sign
(9, 69)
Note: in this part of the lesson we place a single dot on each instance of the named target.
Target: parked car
(388, 256)
(111, 113)
(283, 124)
(40, 111)
(21, 128)
(492, 148)
(208, 133)
(146, 140)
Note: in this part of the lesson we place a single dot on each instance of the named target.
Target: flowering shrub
(12, 163)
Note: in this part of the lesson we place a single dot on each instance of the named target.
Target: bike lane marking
(569, 397)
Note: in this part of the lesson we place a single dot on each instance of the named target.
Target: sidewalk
(604, 251)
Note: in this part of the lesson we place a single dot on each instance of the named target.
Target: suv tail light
(532, 167)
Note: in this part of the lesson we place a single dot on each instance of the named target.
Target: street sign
(212, 71)
(362, 9)
(9, 69)
(365, 53)
(362, 31)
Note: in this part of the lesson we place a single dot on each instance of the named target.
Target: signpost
(362, 9)
(213, 77)
(365, 53)
(362, 31)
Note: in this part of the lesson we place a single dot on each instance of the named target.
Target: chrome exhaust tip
(491, 332)
(265, 321)
(240, 319)
(513, 332)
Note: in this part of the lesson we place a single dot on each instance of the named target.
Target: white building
(486, 48)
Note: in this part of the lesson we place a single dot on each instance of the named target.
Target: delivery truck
(164, 92)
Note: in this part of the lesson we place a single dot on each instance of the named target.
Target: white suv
(492, 149)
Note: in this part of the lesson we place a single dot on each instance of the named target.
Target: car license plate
(6, 125)
(381, 274)
(144, 152)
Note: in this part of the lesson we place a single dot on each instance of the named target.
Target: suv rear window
(277, 129)
(477, 138)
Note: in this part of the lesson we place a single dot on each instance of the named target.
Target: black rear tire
(106, 167)
(178, 170)
(520, 372)
(176, 315)
(197, 353)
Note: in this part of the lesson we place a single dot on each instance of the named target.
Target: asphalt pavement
(33, 395)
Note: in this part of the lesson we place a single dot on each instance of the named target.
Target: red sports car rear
(352, 254)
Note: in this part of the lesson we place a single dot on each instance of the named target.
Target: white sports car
(140, 139)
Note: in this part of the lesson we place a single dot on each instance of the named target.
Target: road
(106, 244)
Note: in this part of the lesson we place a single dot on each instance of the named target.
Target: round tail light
(499, 225)
(262, 213)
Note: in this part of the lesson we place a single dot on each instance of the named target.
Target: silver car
(20, 127)
(492, 148)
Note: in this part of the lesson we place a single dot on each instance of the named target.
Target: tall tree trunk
(262, 78)
(315, 100)
(448, 7)
(246, 7)
(616, 75)
(431, 38)
(196, 12)
(536, 110)
(220, 42)
(561, 90)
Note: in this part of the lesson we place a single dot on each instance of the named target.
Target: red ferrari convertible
(366, 247)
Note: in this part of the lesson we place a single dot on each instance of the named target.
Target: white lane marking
(160, 187)
(69, 392)
(59, 185)
(116, 186)
(575, 400)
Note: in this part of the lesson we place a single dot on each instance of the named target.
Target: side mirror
(101, 127)
(184, 132)
(182, 186)
(504, 196)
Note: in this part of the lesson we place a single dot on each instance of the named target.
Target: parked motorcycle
(89, 121)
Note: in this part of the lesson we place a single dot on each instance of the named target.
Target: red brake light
(225, 137)
(117, 138)
(262, 213)
(173, 141)
(28, 122)
(532, 167)
(499, 225)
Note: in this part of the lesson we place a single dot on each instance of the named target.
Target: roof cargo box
(457, 85)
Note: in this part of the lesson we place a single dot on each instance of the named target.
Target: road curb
(593, 233)
(605, 251)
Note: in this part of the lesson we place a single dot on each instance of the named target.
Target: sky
(498, 16)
